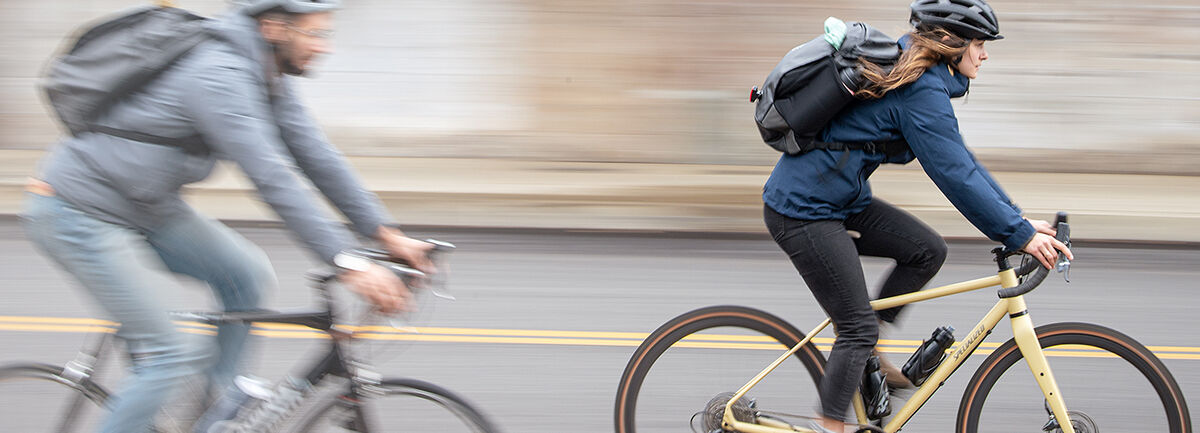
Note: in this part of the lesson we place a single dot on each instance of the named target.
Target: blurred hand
(1045, 249)
(1043, 226)
(379, 286)
(411, 251)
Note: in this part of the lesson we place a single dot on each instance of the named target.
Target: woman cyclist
(813, 201)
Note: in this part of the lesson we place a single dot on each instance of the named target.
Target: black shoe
(875, 390)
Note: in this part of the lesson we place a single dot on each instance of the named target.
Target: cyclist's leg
(121, 272)
(825, 256)
(237, 270)
(888, 231)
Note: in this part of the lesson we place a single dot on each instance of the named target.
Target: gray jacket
(225, 90)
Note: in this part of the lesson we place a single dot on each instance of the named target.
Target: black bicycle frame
(334, 362)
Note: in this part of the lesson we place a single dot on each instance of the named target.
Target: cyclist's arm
(995, 185)
(231, 111)
(928, 123)
(326, 166)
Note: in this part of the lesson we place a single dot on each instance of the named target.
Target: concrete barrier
(632, 115)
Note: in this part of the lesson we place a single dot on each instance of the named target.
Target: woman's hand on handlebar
(1043, 226)
(1045, 248)
(379, 286)
(412, 251)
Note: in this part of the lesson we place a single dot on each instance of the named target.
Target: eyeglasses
(318, 33)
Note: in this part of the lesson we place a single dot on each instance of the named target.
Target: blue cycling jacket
(831, 184)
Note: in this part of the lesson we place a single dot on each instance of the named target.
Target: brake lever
(440, 248)
(1064, 265)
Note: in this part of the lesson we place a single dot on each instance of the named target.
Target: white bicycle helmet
(256, 7)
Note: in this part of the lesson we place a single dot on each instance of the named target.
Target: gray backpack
(812, 83)
(115, 58)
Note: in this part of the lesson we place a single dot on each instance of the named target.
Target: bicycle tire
(24, 381)
(1096, 342)
(691, 323)
(342, 413)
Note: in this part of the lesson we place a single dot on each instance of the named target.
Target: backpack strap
(193, 145)
(884, 146)
(887, 147)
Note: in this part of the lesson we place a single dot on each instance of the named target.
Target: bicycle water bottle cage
(929, 355)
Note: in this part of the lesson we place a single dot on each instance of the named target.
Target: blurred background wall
(1082, 85)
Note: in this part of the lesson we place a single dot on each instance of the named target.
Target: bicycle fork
(1031, 349)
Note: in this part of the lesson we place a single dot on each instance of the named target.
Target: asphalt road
(492, 344)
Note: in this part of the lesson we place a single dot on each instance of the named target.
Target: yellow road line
(57, 320)
(55, 328)
(506, 332)
(530, 336)
(1173, 349)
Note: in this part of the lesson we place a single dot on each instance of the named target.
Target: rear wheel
(685, 370)
(37, 398)
(1108, 380)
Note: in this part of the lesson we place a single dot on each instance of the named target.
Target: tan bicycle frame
(1023, 333)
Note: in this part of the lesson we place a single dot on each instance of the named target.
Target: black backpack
(812, 83)
(117, 57)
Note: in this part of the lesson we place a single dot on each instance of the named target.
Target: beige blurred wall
(1097, 85)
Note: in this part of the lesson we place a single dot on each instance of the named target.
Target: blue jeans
(123, 269)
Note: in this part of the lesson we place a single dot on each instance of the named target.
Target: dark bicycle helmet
(256, 7)
(971, 19)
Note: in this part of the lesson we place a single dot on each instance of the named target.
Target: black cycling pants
(828, 259)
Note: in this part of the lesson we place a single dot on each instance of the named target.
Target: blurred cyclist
(107, 207)
(812, 199)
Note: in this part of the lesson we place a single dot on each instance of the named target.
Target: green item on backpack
(835, 32)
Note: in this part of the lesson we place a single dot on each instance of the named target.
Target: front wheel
(1108, 380)
(36, 398)
(685, 370)
(405, 405)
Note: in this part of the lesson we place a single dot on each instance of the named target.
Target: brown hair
(927, 47)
